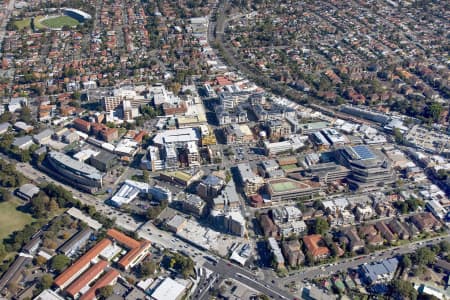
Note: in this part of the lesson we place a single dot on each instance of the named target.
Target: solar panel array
(363, 152)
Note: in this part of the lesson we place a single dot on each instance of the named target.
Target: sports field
(37, 22)
(283, 186)
(58, 22)
(12, 219)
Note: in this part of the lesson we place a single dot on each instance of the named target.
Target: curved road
(5, 21)
(216, 38)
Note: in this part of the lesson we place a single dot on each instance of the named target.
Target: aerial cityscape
(224, 149)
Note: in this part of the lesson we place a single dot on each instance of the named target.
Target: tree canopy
(59, 262)
(319, 226)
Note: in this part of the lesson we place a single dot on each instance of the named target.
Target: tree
(25, 156)
(25, 114)
(6, 117)
(2, 251)
(406, 262)
(309, 259)
(145, 176)
(45, 282)
(435, 111)
(40, 260)
(59, 262)
(53, 206)
(148, 268)
(5, 195)
(424, 256)
(105, 292)
(76, 95)
(404, 289)
(320, 226)
(317, 204)
(398, 136)
(445, 246)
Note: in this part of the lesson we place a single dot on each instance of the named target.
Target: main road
(163, 238)
(228, 270)
(343, 265)
(216, 37)
(4, 22)
(123, 220)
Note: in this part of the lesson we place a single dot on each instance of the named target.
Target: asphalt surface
(122, 219)
(228, 270)
(4, 22)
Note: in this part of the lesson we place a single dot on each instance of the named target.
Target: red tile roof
(139, 136)
(81, 263)
(123, 238)
(105, 280)
(125, 261)
(312, 244)
(86, 278)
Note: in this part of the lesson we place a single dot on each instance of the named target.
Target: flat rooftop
(179, 174)
(176, 136)
(76, 165)
(281, 185)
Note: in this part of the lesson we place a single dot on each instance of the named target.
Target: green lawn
(58, 22)
(24, 23)
(289, 167)
(283, 186)
(37, 22)
(12, 219)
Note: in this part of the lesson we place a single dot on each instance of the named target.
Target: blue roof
(212, 180)
(363, 152)
(373, 271)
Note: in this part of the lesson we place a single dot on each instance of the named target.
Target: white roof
(237, 258)
(176, 136)
(110, 251)
(127, 146)
(432, 291)
(85, 154)
(77, 214)
(129, 191)
(48, 295)
(145, 284)
(169, 289)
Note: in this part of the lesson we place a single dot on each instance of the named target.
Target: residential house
(268, 227)
(385, 231)
(292, 252)
(355, 243)
(23, 142)
(399, 229)
(426, 222)
(363, 213)
(316, 246)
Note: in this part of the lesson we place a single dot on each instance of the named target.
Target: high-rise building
(369, 167)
